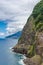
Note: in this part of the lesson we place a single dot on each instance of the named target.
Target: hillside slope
(31, 40)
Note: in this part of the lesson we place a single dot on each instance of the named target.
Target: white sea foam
(24, 57)
(10, 48)
(21, 60)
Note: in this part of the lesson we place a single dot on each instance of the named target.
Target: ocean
(7, 57)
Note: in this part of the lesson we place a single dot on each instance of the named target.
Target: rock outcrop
(35, 60)
(31, 40)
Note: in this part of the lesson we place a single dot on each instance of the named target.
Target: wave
(10, 48)
(22, 57)
(21, 60)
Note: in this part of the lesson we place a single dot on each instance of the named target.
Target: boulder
(35, 60)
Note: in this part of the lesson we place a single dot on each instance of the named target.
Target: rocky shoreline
(35, 60)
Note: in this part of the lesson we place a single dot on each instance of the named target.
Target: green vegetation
(39, 26)
(38, 16)
(31, 52)
(38, 9)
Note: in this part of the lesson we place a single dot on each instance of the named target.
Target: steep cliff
(31, 40)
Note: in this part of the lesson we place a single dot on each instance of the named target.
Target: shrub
(31, 51)
(38, 9)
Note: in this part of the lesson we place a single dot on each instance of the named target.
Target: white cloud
(14, 27)
(2, 34)
(11, 8)
(17, 12)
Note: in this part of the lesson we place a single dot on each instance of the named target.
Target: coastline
(21, 61)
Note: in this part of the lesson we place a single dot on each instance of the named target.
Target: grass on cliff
(38, 16)
(38, 9)
(31, 52)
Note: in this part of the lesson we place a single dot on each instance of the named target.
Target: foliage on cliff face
(38, 9)
(31, 51)
(38, 16)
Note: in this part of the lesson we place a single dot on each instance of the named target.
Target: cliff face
(31, 40)
(28, 32)
(27, 38)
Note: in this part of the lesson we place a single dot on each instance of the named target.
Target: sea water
(7, 57)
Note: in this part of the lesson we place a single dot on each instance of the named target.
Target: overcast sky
(14, 14)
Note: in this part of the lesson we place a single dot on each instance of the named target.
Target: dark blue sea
(7, 57)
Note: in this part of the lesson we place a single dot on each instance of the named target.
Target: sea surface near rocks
(7, 57)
